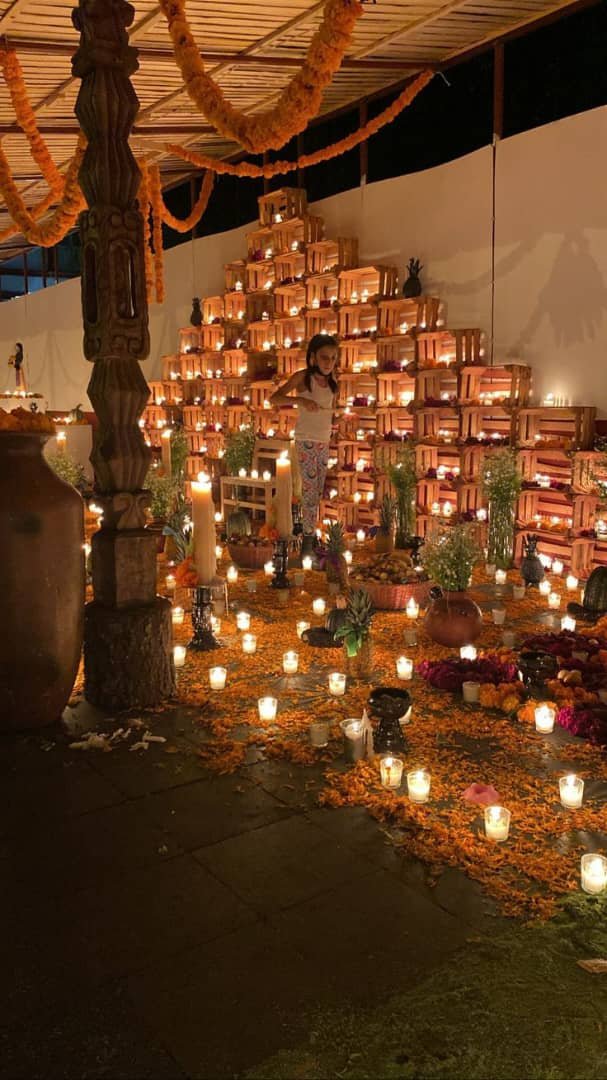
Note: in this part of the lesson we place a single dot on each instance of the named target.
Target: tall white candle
(284, 495)
(203, 517)
(165, 446)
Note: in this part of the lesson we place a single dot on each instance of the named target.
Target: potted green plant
(355, 632)
(162, 493)
(384, 539)
(501, 483)
(403, 478)
(452, 619)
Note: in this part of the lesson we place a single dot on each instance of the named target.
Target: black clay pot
(532, 571)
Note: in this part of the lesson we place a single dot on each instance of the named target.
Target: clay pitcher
(452, 619)
(42, 575)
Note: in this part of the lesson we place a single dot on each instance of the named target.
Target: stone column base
(128, 655)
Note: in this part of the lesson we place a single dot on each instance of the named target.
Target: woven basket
(251, 558)
(394, 597)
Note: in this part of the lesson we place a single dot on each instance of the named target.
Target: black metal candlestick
(281, 565)
(202, 607)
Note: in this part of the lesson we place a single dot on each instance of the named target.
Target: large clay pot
(41, 585)
(452, 619)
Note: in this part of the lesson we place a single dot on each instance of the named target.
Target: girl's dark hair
(315, 343)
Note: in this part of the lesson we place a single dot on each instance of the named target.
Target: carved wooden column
(128, 639)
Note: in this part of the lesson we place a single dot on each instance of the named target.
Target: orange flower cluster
(306, 161)
(13, 77)
(157, 209)
(23, 420)
(298, 102)
(506, 696)
(63, 217)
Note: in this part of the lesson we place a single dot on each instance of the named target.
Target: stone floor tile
(298, 787)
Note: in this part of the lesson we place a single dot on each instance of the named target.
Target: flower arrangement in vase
(355, 632)
(452, 619)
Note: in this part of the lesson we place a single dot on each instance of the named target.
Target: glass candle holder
(217, 678)
(319, 732)
(497, 823)
(337, 683)
(468, 652)
(249, 644)
(267, 707)
(179, 655)
(290, 662)
(568, 623)
(404, 668)
(306, 562)
(251, 585)
(544, 587)
(544, 719)
(518, 592)
(557, 567)
(301, 627)
(410, 636)
(594, 873)
(499, 616)
(268, 568)
(215, 624)
(391, 771)
(501, 577)
(243, 620)
(170, 582)
(218, 551)
(319, 606)
(354, 743)
(348, 557)
(509, 639)
(418, 785)
(232, 575)
(412, 608)
(177, 615)
(571, 582)
(554, 601)
(471, 692)
(361, 536)
(571, 790)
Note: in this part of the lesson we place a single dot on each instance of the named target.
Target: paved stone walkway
(161, 922)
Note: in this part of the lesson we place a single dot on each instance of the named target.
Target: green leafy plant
(179, 455)
(162, 491)
(357, 624)
(239, 450)
(501, 485)
(178, 527)
(403, 478)
(68, 469)
(450, 556)
(387, 514)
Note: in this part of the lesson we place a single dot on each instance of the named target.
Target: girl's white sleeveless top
(315, 426)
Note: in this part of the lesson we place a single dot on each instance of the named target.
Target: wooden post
(127, 644)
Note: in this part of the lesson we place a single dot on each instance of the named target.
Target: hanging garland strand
(143, 197)
(157, 207)
(13, 77)
(299, 101)
(186, 224)
(276, 168)
(63, 217)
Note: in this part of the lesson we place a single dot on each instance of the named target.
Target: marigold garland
(143, 197)
(157, 208)
(13, 77)
(63, 217)
(186, 224)
(299, 101)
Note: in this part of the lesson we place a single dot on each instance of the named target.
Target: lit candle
(497, 823)
(435, 508)
(266, 475)
(418, 785)
(242, 473)
(501, 577)
(203, 518)
(290, 662)
(404, 668)
(284, 496)
(544, 719)
(557, 566)
(348, 557)
(177, 616)
(447, 509)
(337, 684)
(218, 551)
(554, 600)
(268, 568)
(499, 616)
(571, 790)
(412, 608)
(232, 575)
(306, 562)
(471, 692)
(165, 446)
(468, 652)
(243, 620)
(568, 623)
(361, 534)
(319, 606)
(215, 624)
(354, 744)
(518, 592)
(249, 644)
(61, 442)
(179, 654)
(217, 678)
(267, 707)
(391, 771)
(544, 587)
(594, 873)
(301, 627)
(571, 582)
(170, 582)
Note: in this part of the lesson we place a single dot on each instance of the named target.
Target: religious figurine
(413, 286)
(196, 316)
(16, 360)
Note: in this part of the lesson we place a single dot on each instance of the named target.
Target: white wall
(550, 257)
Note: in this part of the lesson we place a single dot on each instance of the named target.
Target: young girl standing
(314, 390)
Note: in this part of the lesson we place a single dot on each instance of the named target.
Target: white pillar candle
(243, 620)
(557, 567)
(249, 644)
(290, 662)
(354, 744)
(170, 582)
(554, 600)
(391, 771)
(544, 587)
(179, 654)
(568, 623)
(268, 568)
(467, 652)
(497, 823)
(337, 683)
(217, 678)
(471, 692)
(284, 496)
(594, 873)
(501, 577)
(232, 575)
(165, 448)
(218, 551)
(499, 616)
(319, 606)
(571, 582)
(410, 636)
(302, 626)
(544, 719)
(418, 785)
(177, 616)
(404, 668)
(571, 790)
(203, 519)
(306, 562)
(267, 707)
(518, 592)
(412, 608)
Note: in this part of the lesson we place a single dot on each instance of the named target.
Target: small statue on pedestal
(16, 360)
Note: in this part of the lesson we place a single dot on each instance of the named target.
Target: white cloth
(315, 426)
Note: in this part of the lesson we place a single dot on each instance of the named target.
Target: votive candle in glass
(571, 790)
(217, 678)
(218, 551)
(215, 624)
(497, 823)
(410, 636)
(571, 582)
(319, 606)
(268, 568)
(361, 536)
(568, 623)
(418, 785)
(557, 567)
(554, 600)
(501, 577)
(471, 692)
(306, 562)
(170, 582)
(177, 615)
(249, 643)
(509, 639)
(232, 575)
(290, 662)
(518, 592)
(594, 873)
(404, 668)
(179, 654)
(348, 557)
(391, 771)
(544, 719)
(267, 707)
(544, 587)
(301, 627)
(412, 608)
(337, 683)
(251, 585)
(243, 620)
(467, 652)
(499, 616)
(354, 745)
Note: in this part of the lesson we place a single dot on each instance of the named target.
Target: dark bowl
(389, 701)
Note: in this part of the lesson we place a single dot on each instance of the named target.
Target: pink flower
(485, 794)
